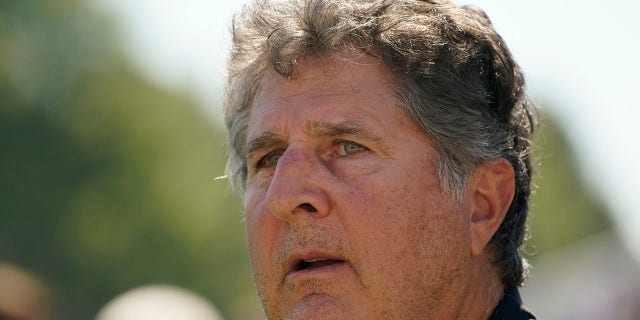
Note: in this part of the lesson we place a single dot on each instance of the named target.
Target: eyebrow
(270, 139)
(265, 140)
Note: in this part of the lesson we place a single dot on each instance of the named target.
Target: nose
(298, 186)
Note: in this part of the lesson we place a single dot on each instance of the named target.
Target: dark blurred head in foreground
(382, 152)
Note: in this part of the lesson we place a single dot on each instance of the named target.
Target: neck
(484, 292)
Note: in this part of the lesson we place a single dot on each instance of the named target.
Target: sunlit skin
(344, 214)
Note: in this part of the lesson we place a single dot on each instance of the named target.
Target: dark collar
(510, 307)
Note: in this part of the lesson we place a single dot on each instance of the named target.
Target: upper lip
(294, 260)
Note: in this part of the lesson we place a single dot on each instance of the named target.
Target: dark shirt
(510, 307)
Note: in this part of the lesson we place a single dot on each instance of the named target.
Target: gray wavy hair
(461, 84)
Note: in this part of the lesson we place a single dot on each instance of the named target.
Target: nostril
(308, 207)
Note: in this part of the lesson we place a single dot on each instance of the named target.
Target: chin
(318, 307)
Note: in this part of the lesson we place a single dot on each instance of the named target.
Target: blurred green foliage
(563, 209)
(107, 181)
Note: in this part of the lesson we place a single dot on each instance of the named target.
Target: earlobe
(493, 189)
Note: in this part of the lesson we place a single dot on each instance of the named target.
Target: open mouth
(315, 263)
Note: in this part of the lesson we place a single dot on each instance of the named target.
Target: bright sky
(580, 58)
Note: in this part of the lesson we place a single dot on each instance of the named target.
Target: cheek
(257, 225)
(261, 230)
(405, 224)
(252, 204)
(401, 193)
(266, 233)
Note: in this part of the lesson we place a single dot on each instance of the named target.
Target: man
(382, 150)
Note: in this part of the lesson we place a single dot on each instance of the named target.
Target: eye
(348, 148)
(270, 159)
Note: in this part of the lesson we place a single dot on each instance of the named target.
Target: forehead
(328, 88)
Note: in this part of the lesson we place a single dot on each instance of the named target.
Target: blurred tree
(106, 181)
(563, 209)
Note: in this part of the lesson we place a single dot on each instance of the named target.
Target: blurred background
(111, 139)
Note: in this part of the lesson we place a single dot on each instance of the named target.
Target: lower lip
(329, 270)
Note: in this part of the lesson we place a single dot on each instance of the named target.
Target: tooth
(315, 260)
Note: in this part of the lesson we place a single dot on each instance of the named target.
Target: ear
(492, 190)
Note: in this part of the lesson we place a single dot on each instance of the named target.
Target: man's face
(345, 218)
